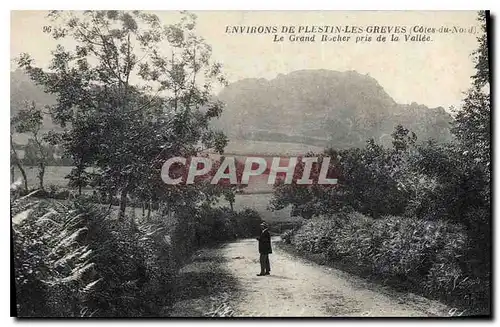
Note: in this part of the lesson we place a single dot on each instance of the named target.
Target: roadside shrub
(247, 223)
(412, 246)
(430, 257)
(215, 225)
(315, 235)
(351, 238)
(52, 266)
(287, 236)
(76, 260)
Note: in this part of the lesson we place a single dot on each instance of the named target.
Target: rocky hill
(311, 107)
(323, 107)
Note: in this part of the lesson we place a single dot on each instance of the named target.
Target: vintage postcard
(250, 163)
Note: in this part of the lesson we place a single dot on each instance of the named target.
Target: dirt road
(296, 287)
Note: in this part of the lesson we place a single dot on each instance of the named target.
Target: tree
(481, 55)
(224, 185)
(309, 200)
(368, 181)
(402, 138)
(457, 176)
(473, 132)
(30, 121)
(126, 104)
(473, 120)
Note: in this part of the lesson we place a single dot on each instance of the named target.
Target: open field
(238, 148)
(257, 201)
(53, 175)
(269, 148)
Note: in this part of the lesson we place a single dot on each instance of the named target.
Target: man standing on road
(264, 249)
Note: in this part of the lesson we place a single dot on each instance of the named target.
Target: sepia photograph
(250, 164)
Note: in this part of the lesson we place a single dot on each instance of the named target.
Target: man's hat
(264, 224)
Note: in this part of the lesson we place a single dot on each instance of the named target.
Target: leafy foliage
(76, 261)
(368, 182)
(125, 103)
(37, 152)
(431, 203)
(429, 257)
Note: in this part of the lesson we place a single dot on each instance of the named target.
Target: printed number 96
(47, 29)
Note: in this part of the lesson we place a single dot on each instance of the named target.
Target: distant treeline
(30, 157)
(281, 137)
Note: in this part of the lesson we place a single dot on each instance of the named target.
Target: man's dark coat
(265, 242)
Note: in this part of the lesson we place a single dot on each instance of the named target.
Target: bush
(287, 236)
(428, 256)
(214, 225)
(53, 266)
(247, 222)
(74, 260)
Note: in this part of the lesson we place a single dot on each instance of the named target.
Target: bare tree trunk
(110, 200)
(43, 160)
(12, 174)
(80, 169)
(149, 209)
(41, 173)
(123, 203)
(18, 164)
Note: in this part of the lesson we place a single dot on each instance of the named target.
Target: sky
(434, 73)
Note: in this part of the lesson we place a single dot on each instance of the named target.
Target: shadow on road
(197, 284)
(203, 285)
(208, 258)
